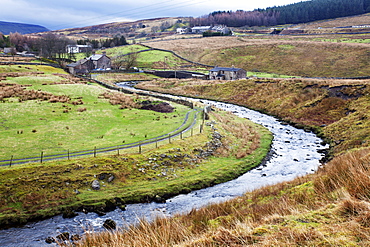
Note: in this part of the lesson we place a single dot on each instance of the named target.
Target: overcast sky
(59, 14)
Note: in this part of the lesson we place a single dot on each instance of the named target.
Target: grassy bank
(317, 210)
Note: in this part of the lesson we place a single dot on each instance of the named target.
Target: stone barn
(223, 73)
(94, 62)
(101, 61)
(83, 66)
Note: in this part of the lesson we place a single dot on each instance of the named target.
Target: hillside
(12, 27)
(131, 29)
(357, 20)
(309, 56)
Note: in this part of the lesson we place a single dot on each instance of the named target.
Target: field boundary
(187, 125)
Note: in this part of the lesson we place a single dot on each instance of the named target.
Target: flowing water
(294, 152)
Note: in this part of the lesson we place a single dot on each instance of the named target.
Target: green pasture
(30, 127)
(120, 50)
(268, 75)
(30, 68)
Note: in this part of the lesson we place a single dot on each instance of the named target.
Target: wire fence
(188, 128)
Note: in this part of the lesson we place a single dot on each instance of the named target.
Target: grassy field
(61, 115)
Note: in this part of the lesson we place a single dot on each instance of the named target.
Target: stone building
(86, 65)
(223, 73)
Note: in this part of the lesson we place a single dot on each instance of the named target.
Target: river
(294, 153)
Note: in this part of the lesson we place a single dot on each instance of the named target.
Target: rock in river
(110, 224)
(95, 185)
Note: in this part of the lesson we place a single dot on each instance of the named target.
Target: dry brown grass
(339, 22)
(285, 55)
(126, 101)
(248, 137)
(308, 211)
(15, 90)
(16, 59)
(350, 171)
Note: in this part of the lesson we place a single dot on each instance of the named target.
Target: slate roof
(216, 69)
(82, 61)
(95, 57)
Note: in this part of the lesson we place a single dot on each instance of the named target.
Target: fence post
(192, 131)
(181, 135)
(42, 156)
(139, 148)
(117, 150)
(169, 139)
(11, 161)
(94, 151)
(68, 154)
(156, 144)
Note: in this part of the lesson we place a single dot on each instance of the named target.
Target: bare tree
(13, 52)
(127, 60)
(131, 60)
(54, 47)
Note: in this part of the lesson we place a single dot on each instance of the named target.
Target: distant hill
(140, 28)
(12, 27)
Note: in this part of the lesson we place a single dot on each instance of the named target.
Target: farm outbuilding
(94, 62)
(83, 66)
(224, 73)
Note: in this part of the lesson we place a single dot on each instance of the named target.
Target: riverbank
(337, 110)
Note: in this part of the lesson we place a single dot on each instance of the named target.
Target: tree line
(99, 43)
(319, 10)
(4, 41)
(52, 46)
(305, 11)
